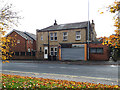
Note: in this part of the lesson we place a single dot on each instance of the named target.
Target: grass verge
(16, 81)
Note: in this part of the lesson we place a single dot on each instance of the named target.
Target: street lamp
(88, 30)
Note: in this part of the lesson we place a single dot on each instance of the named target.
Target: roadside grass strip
(16, 81)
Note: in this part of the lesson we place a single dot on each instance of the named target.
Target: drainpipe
(48, 46)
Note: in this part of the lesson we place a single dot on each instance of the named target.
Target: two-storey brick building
(65, 41)
(25, 47)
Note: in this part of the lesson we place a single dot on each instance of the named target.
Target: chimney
(55, 22)
(92, 21)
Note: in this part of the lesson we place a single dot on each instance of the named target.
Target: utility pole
(88, 31)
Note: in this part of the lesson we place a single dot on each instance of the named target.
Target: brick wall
(99, 56)
(22, 46)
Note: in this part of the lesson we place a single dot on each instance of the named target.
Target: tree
(8, 18)
(114, 40)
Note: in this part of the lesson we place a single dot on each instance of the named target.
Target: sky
(39, 14)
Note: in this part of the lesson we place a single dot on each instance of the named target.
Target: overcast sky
(39, 14)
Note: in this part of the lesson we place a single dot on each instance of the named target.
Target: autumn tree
(8, 18)
(114, 39)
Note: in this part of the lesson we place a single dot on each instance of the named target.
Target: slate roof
(68, 26)
(26, 35)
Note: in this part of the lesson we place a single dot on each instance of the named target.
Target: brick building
(98, 51)
(25, 47)
(65, 41)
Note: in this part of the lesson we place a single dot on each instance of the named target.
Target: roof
(68, 26)
(26, 35)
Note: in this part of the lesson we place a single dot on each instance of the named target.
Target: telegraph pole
(88, 31)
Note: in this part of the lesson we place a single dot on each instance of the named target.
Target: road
(93, 72)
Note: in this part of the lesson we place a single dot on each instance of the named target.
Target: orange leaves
(16, 81)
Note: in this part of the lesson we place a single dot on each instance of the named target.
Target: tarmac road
(106, 74)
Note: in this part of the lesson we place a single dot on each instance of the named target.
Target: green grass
(15, 81)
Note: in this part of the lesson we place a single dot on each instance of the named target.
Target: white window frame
(51, 51)
(51, 36)
(78, 35)
(55, 51)
(65, 36)
(55, 36)
(18, 41)
(28, 49)
(41, 37)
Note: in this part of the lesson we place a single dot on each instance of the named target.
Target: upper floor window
(28, 41)
(18, 41)
(55, 36)
(32, 42)
(65, 34)
(78, 35)
(51, 36)
(41, 37)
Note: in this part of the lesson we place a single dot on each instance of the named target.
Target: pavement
(78, 62)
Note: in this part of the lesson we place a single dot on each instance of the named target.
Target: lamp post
(88, 31)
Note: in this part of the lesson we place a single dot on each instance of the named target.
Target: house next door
(45, 52)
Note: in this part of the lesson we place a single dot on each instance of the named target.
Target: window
(33, 53)
(96, 50)
(32, 42)
(18, 41)
(16, 53)
(99, 50)
(55, 36)
(41, 37)
(28, 49)
(22, 53)
(28, 41)
(40, 49)
(28, 53)
(78, 35)
(65, 36)
(55, 50)
(51, 51)
(51, 36)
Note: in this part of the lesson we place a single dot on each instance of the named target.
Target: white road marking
(109, 79)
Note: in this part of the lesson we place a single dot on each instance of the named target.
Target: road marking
(73, 76)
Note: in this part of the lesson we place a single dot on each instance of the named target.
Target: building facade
(25, 47)
(64, 41)
(99, 51)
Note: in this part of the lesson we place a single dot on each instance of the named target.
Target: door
(72, 53)
(45, 52)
